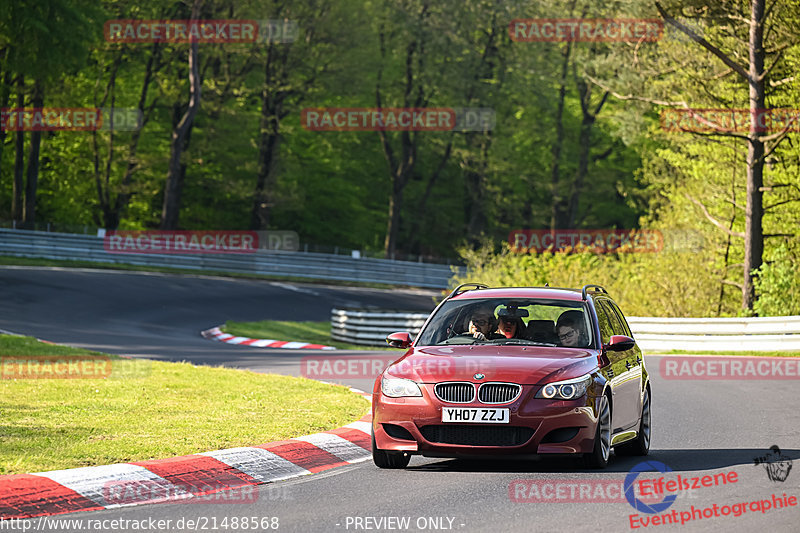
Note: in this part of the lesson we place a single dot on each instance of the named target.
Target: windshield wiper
(457, 340)
(521, 342)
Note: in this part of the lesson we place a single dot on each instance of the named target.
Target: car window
(605, 325)
(621, 318)
(616, 325)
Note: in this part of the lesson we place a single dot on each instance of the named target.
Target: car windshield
(506, 321)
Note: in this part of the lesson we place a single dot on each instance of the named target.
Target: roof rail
(458, 290)
(583, 290)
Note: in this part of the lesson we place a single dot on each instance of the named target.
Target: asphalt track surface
(699, 427)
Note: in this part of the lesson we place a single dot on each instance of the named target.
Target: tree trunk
(269, 138)
(756, 77)
(5, 94)
(124, 195)
(395, 203)
(401, 167)
(180, 138)
(754, 233)
(31, 185)
(556, 206)
(401, 172)
(729, 240)
(422, 205)
(584, 147)
(102, 180)
(19, 158)
(475, 178)
(483, 71)
(266, 183)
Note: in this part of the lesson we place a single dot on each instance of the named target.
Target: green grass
(746, 353)
(27, 261)
(152, 409)
(313, 332)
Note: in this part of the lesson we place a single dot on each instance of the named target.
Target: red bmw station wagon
(526, 371)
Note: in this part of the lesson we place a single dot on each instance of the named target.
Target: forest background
(578, 140)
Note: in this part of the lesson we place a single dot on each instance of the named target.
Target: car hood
(526, 365)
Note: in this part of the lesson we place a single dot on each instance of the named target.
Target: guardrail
(370, 327)
(717, 334)
(44, 245)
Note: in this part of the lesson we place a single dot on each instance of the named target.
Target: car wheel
(598, 458)
(385, 459)
(641, 444)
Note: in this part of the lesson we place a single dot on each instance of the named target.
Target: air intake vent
(459, 392)
(498, 392)
(477, 435)
(397, 432)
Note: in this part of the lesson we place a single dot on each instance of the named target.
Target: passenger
(511, 325)
(571, 330)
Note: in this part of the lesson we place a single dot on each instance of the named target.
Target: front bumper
(540, 426)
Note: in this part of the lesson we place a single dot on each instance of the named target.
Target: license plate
(475, 414)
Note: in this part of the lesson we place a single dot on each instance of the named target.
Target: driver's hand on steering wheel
(477, 326)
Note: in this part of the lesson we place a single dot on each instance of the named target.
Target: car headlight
(398, 387)
(565, 390)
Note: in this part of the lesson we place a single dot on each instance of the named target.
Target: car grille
(498, 392)
(477, 435)
(460, 392)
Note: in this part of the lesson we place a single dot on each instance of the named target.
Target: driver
(482, 323)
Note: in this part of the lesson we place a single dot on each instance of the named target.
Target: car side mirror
(619, 343)
(400, 339)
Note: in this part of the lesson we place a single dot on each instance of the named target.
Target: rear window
(509, 321)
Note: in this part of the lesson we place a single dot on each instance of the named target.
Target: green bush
(778, 285)
(668, 284)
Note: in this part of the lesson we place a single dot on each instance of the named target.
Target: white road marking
(336, 445)
(258, 463)
(106, 485)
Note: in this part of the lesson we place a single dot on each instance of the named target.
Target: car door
(627, 372)
(636, 358)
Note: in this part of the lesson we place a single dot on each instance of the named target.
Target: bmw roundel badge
(478, 376)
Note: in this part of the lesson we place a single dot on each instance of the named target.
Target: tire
(641, 444)
(385, 459)
(598, 458)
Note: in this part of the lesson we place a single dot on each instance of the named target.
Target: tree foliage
(577, 140)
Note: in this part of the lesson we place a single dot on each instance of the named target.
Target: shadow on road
(679, 460)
